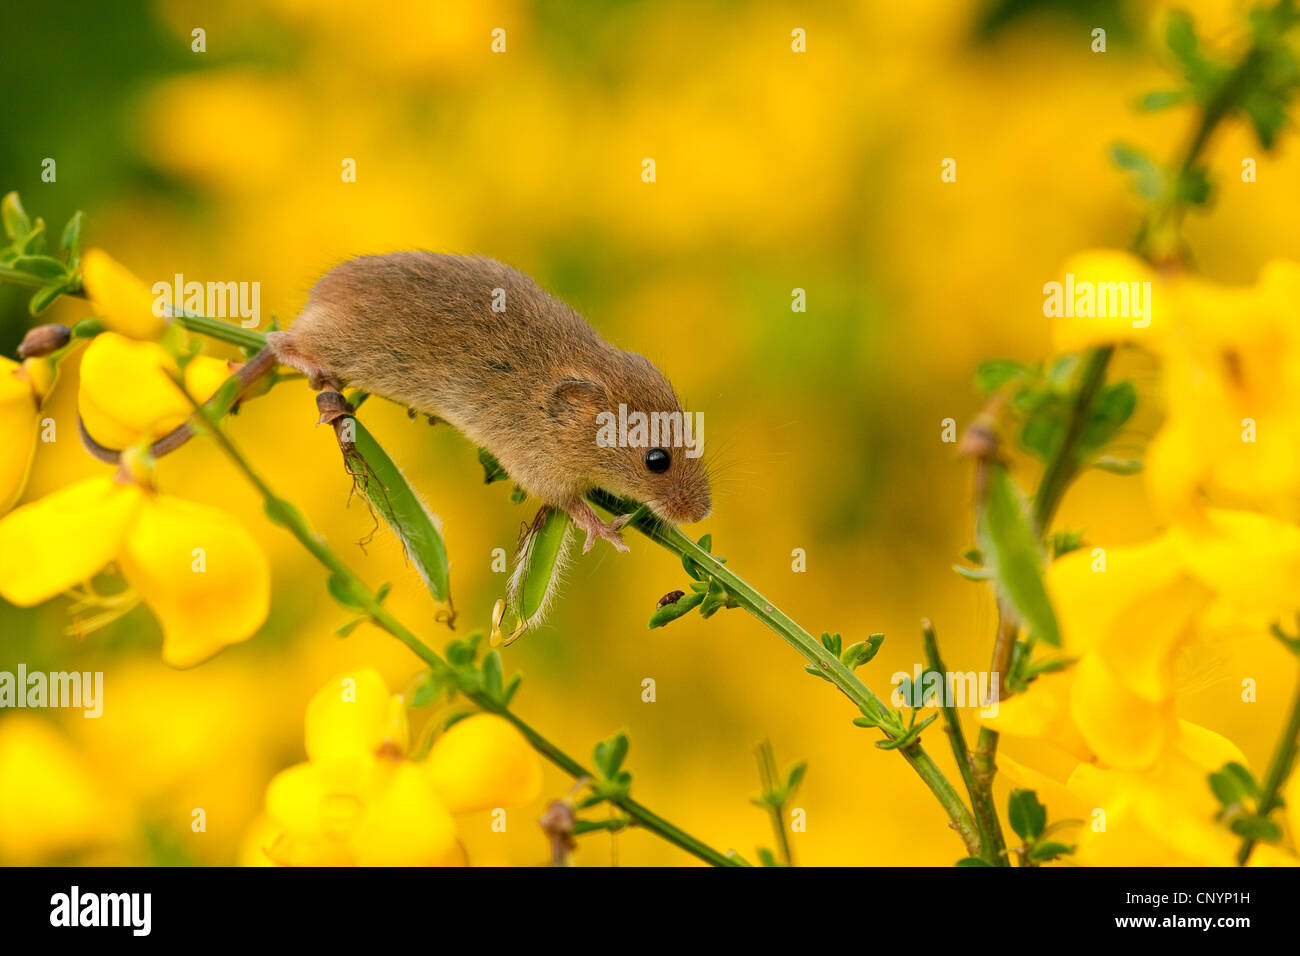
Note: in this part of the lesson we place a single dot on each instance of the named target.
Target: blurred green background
(776, 171)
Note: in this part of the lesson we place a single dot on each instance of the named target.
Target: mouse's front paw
(587, 520)
(609, 534)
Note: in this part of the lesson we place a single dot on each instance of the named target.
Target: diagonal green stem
(679, 544)
(671, 538)
(1284, 757)
(972, 768)
(284, 513)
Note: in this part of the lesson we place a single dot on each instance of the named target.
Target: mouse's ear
(575, 401)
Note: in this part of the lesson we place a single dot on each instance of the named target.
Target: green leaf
(767, 857)
(1148, 178)
(855, 655)
(1012, 550)
(1257, 828)
(540, 564)
(511, 688)
(671, 612)
(1161, 99)
(45, 297)
(992, 375)
(1063, 542)
(716, 597)
(973, 861)
(794, 778)
(1026, 815)
(609, 755)
(1045, 852)
(345, 629)
(492, 470)
(1114, 406)
(1180, 36)
(1117, 466)
(282, 512)
(70, 241)
(43, 267)
(426, 691)
(1245, 779)
(972, 574)
(34, 241)
(1227, 789)
(389, 493)
(1193, 186)
(343, 591)
(16, 223)
(492, 678)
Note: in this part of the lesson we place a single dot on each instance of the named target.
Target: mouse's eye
(657, 460)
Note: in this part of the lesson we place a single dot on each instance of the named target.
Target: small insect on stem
(672, 597)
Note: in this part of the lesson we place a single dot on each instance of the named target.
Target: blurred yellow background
(775, 171)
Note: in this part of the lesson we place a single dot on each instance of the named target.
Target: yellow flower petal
(49, 802)
(1092, 604)
(202, 575)
(1061, 802)
(65, 538)
(126, 394)
(483, 762)
(124, 302)
(348, 717)
(406, 825)
(303, 804)
(1252, 559)
(1123, 729)
(1097, 273)
(1042, 713)
(19, 421)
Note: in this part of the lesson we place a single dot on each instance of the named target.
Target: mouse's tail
(247, 375)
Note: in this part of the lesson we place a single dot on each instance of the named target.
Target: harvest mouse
(526, 381)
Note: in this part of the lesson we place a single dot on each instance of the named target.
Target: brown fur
(526, 384)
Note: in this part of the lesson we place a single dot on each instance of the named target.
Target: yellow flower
(1105, 297)
(127, 394)
(50, 802)
(359, 800)
(124, 302)
(1231, 374)
(1164, 815)
(1127, 621)
(19, 421)
(201, 573)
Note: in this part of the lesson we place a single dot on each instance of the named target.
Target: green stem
(222, 331)
(283, 512)
(978, 776)
(15, 277)
(1284, 756)
(768, 776)
(671, 538)
(747, 597)
(1064, 465)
